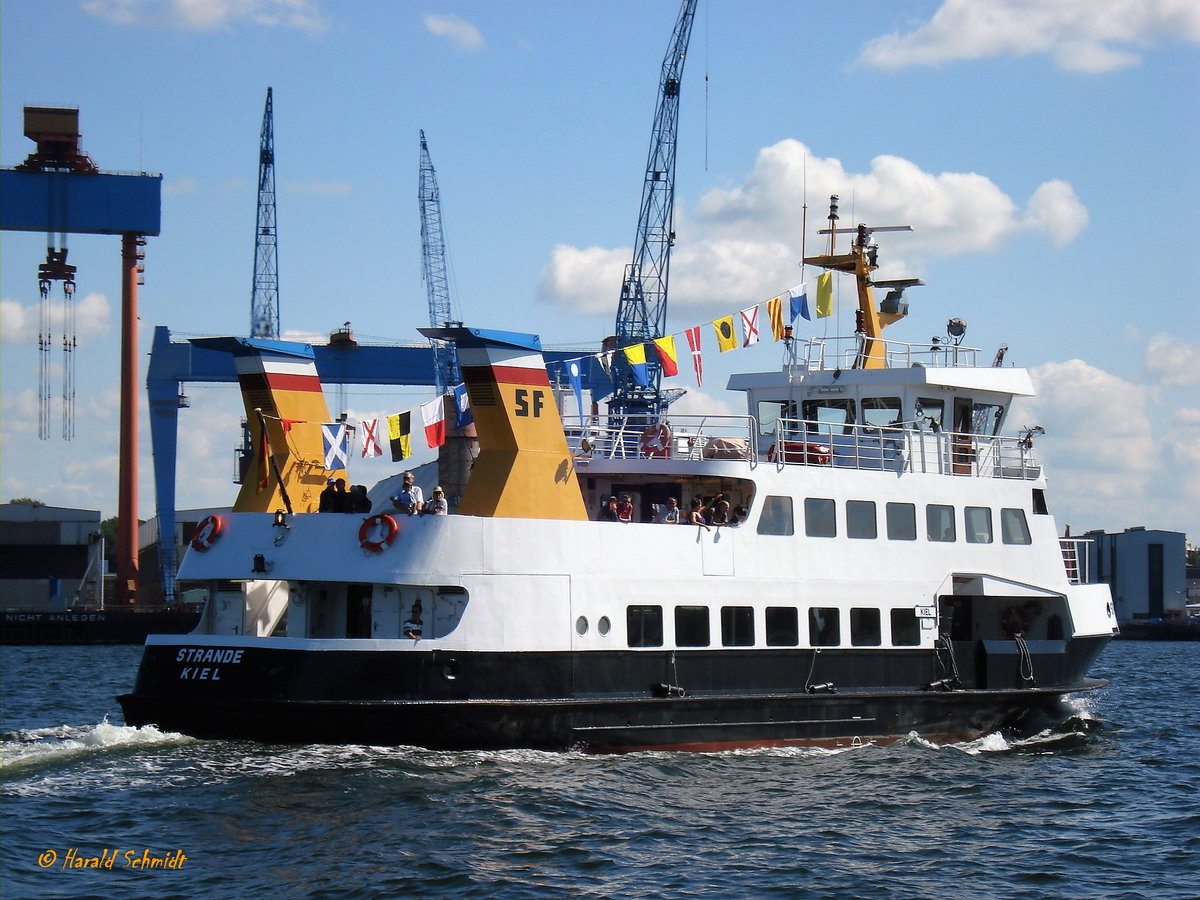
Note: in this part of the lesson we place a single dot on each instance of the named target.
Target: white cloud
(20, 324)
(743, 242)
(206, 15)
(461, 33)
(177, 186)
(1117, 454)
(1172, 362)
(1086, 36)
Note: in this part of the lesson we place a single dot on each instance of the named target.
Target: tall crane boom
(437, 283)
(642, 309)
(264, 295)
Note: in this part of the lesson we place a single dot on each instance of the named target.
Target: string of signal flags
(732, 331)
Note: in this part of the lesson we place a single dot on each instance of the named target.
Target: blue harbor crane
(642, 310)
(433, 271)
(264, 296)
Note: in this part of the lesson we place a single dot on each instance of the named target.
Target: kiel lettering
(197, 656)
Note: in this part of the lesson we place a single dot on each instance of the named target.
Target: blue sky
(1045, 155)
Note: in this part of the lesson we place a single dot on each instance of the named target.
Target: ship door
(962, 453)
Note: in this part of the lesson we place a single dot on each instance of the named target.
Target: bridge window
(881, 412)
(929, 412)
(834, 415)
(1013, 527)
(978, 521)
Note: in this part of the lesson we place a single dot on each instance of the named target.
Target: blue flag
(462, 407)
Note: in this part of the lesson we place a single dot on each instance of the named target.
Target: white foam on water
(40, 745)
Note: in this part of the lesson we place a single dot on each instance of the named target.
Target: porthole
(581, 625)
(603, 625)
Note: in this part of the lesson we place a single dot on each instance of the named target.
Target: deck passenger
(669, 514)
(696, 516)
(410, 500)
(608, 510)
(328, 500)
(625, 509)
(437, 504)
(412, 627)
(359, 501)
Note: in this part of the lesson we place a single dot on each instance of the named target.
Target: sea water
(1107, 805)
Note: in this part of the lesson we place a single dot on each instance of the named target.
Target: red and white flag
(750, 326)
(370, 443)
(433, 414)
(693, 339)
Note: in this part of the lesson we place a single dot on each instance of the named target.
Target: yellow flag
(825, 295)
(775, 314)
(726, 336)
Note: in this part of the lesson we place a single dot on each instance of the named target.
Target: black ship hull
(605, 702)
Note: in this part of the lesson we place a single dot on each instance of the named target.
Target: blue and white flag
(336, 438)
(799, 302)
(573, 370)
(462, 407)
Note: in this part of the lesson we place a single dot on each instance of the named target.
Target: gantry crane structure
(434, 271)
(264, 294)
(642, 309)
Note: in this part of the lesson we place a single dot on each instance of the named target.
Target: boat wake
(22, 750)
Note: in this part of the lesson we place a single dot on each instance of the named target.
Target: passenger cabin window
(819, 518)
(930, 412)
(644, 625)
(906, 630)
(783, 626)
(939, 522)
(737, 626)
(691, 626)
(824, 629)
(834, 415)
(901, 522)
(978, 522)
(881, 412)
(864, 627)
(860, 519)
(776, 516)
(1013, 527)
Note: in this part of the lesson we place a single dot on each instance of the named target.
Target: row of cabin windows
(862, 521)
(780, 624)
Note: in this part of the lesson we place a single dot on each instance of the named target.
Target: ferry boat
(888, 565)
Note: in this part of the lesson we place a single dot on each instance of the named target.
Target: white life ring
(367, 529)
(656, 441)
(207, 532)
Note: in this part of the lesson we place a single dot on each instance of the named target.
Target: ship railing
(685, 437)
(900, 447)
(1075, 559)
(846, 352)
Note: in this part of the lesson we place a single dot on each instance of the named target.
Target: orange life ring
(390, 530)
(207, 532)
(656, 440)
(1015, 620)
